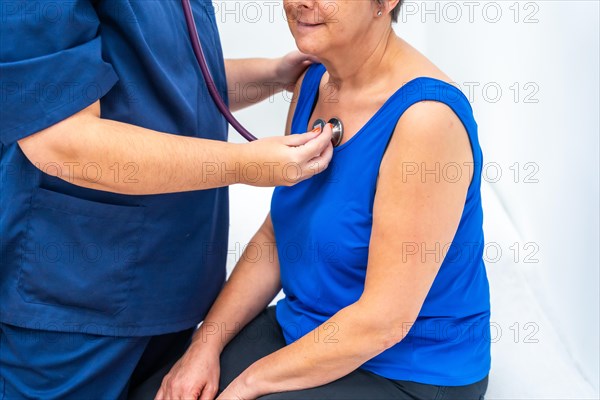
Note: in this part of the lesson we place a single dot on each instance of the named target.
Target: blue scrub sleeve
(51, 64)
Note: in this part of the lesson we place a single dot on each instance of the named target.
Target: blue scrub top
(76, 259)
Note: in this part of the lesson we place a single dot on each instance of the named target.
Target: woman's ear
(391, 4)
(385, 7)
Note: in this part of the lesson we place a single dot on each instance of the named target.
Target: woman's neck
(369, 62)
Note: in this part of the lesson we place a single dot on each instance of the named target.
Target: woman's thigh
(361, 384)
(264, 336)
(358, 385)
(261, 337)
(475, 391)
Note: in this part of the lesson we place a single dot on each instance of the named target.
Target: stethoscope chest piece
(337, 130)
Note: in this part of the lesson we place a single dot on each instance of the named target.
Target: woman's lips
(308, 26)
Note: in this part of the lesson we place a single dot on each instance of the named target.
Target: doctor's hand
(289, 68)
(287, 160)
(194, 376)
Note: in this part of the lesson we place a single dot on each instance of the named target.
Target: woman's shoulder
(418, 70)
(434, 85)
(413, 65)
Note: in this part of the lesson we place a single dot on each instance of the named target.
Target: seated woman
(379, 256)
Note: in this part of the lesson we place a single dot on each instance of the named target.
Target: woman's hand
(194, 376)
(231, 394)
(240, 390)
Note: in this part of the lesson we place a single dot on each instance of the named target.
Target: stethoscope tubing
(210, 83)
(338, 127)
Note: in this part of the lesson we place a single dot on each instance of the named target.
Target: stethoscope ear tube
(210, 83)
(338, 127)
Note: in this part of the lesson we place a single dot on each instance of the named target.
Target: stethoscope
(337, 126)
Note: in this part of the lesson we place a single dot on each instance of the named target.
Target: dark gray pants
(263, 336)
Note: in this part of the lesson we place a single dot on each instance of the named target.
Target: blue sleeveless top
(323, 227)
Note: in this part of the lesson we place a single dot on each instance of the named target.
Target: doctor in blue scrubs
(114, 202)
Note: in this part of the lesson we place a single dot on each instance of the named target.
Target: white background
(531, 70)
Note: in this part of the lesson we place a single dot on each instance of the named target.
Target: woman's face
(323, 26)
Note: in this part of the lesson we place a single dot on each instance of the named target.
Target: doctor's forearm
(250, 81)
(112, 156)
(128, 159)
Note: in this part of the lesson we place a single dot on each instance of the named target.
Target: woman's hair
(395, 11)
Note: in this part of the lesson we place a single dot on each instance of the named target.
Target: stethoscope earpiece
(338, 129)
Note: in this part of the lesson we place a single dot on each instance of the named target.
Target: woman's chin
(309, 47)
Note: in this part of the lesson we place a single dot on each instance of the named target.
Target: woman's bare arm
(407, 210)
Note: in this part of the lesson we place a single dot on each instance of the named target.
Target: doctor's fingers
(319, 149)
(209, 392)
(321, 162)
(171, 390)
(320, 144)
(314, 141)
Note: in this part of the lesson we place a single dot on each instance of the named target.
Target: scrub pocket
(79, 253)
